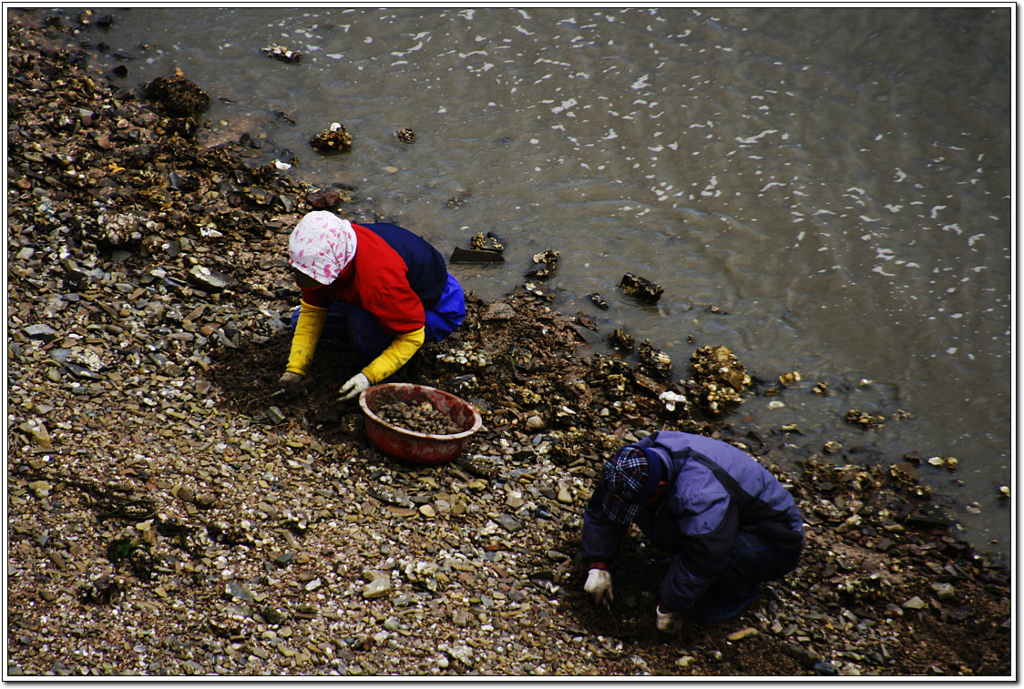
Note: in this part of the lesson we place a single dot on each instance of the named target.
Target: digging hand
(291, 383)
(667, 621)
(353, 387)
(599, 585)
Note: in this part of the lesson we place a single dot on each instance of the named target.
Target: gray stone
(275, 415)
(379, 587)
(36, 429)
(82, 372)
(403, 600)
(210, 279)
(463, 654)
(508, 523)
(499, 311)
(237, 591)
(41, 331)
(914, 603)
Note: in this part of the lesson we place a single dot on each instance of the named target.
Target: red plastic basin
(412, 446)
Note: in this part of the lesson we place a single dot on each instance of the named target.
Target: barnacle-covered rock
(568, 447)
(641, 288)
(904, 473)
(539, 291)
(544, 264)
(789, 378)
(281, 53)
(615, 384)
(654, 358)
(525, 396)
(622, 340)
(863, 419)
(488, 242)
(119, 229)
(405, 135)
(176, 96)
(521, 358)
(718, 377)
(577, 389)
(334, 138)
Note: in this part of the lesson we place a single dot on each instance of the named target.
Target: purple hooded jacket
(714, 491)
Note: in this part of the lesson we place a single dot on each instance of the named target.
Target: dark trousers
(753, 560)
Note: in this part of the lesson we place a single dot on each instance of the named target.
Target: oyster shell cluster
(622, 340)
(864, 419)
(281, 53)
(544, 264)
(488, 242)
(422, 418)
(466, 358)
(719, 378)
(641, 288)
(654, 358)
(334, 138)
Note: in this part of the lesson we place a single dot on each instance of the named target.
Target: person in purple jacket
(727, 523)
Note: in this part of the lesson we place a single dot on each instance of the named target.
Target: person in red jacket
(384, 286)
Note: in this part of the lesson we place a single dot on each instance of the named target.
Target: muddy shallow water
(821, 190)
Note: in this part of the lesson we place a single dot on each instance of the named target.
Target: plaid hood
(628, 479)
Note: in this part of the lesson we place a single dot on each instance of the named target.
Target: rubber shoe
(717, 612)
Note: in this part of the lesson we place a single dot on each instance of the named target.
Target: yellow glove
(394, 357)
(307, 334)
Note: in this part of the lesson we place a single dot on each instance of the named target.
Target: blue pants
(753, 560)
(368, 339)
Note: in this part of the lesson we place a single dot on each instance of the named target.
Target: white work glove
(599, 585)
(355, 385)
(667, 621)
(291, 383)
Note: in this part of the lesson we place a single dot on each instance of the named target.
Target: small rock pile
(421, 418)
